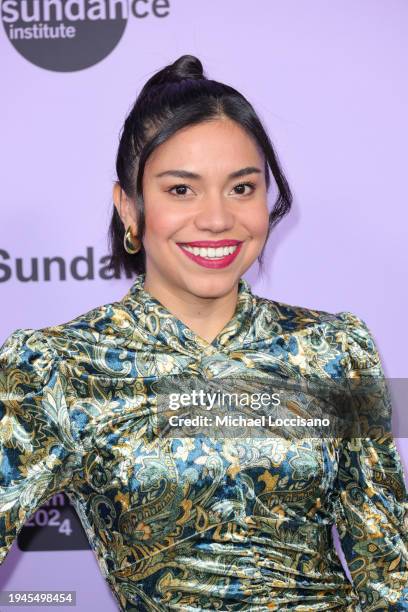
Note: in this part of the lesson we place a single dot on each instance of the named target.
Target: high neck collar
(163, 327)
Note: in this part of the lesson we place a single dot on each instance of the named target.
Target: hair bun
(187, 67)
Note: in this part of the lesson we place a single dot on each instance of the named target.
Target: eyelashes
(183, 185)
(247, 184)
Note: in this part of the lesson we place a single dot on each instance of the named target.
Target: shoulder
(102, 325)
(35, 349)
(295, 317)
(335, 335)
(361, 343)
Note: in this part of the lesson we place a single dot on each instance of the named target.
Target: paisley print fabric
(202, 523)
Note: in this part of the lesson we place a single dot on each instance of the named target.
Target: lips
(206, 262)
(210, 243)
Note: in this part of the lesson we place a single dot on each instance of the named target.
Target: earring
(128, 243)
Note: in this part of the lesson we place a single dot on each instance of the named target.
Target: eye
(180, 186)
(249, 184)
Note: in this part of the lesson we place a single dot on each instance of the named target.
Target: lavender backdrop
(329, 81)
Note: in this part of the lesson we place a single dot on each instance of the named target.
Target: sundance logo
(81, 267)
(69, 35)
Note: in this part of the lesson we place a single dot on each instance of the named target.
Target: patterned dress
(200, 522)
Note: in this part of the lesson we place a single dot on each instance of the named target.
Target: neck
(205, 316)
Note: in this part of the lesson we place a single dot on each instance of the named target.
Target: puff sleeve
(37, 450)
(372, 502)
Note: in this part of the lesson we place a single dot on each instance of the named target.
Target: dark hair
(177, 96)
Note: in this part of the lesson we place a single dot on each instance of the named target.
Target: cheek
(257, 221)
(159, 222)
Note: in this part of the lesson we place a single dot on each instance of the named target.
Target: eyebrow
(194, 176)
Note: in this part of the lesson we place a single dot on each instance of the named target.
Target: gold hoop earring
(128, 244)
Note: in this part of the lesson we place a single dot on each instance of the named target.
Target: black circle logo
(64, 35)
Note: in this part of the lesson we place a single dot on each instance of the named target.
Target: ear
(125, 207)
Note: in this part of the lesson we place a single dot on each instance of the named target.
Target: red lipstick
(211, 243)
(221, 262)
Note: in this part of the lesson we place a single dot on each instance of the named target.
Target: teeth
(211, 252)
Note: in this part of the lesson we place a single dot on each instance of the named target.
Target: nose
(214, 215)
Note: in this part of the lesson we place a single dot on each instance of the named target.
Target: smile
(212, 256)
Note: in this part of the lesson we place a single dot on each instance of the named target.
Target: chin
(211, 286)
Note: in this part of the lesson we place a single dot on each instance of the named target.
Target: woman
(200, 522)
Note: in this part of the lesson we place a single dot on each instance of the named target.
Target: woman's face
(191, 196)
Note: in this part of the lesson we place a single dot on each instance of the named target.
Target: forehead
(220, 143)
